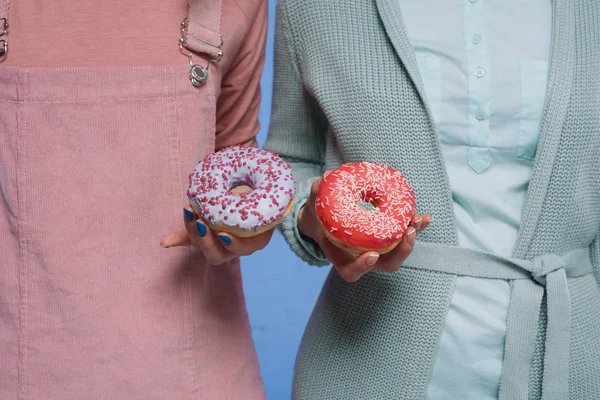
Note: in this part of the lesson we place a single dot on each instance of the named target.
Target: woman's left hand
(218, 247)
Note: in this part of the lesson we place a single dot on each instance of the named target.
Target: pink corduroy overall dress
(94, 165)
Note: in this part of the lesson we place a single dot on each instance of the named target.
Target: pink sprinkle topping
(269, 177)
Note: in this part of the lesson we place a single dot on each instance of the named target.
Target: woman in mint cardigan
(493, 113)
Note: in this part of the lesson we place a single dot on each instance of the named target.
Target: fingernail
(411, 233)
(423, 227)
(201, 228)
(417, 221)
(188, 215)
(326, 173)
(225, 239)
(372, 259)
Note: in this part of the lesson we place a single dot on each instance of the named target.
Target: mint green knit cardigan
(347, 88)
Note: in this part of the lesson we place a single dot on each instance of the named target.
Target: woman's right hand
(349, 266)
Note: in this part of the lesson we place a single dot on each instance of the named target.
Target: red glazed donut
(365, 207)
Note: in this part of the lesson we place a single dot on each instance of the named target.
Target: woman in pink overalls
(100, 126)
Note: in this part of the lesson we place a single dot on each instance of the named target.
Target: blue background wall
(280, 288)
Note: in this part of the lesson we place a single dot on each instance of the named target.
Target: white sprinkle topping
(387, 190)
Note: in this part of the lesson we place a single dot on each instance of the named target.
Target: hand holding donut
(385, 236)
(237, 197)
(218, 247)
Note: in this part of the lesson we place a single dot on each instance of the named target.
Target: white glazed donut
(245, 214)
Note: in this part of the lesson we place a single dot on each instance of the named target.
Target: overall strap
(4, 5)
(202, 36)
(545, 275)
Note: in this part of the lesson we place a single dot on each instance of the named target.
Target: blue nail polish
(188, 215)
(201, 228)
(225, 239)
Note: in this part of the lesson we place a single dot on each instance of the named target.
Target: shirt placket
(479, 84)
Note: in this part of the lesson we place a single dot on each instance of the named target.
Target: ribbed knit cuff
(306, 249)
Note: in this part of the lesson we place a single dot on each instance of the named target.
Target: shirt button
(480, 73)
(480, 115)
(476, 39)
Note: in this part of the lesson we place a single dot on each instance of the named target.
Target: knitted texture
(347, 89)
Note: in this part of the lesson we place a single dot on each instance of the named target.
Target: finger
(392, 261)
(306, 223)
(207, 241)
(188, 214)
(180, 238)
(416, 221)
(409, 240)
(427, 220)
(245, 246)
(189, 217)
(353, 271)
(176, 239)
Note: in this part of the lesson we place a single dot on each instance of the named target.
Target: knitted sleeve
(297, 132)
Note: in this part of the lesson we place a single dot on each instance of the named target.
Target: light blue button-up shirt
(484, 65)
